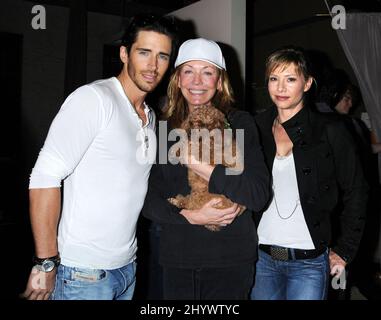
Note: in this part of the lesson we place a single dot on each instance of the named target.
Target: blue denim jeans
(94, 284)
(292, 279)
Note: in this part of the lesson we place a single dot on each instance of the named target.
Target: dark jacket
(184, 245)
(328, 171)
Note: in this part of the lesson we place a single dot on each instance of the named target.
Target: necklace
(297, 202)
(145, 141)
(277, 210)
(282, 157)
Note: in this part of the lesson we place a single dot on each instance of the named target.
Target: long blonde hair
(176, 110)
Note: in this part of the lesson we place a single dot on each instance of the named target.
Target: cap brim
(198, 59)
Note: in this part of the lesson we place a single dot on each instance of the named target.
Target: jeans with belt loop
(73, 283)
(293, 279)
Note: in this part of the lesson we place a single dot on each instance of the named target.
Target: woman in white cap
(198, 263)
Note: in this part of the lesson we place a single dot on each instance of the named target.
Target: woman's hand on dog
(208, 214)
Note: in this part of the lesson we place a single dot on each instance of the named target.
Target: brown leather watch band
(38, 261)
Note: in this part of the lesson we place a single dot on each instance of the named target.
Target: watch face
(47, 265)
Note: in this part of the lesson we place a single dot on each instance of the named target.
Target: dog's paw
(242, 209)
(212, 227)
(174, 201)
(180, 201)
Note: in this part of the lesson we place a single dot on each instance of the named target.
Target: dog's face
(205, 117)
(208, 142)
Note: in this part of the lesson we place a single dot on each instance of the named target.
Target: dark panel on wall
(15, 238)
(10, 118)
(111, 61)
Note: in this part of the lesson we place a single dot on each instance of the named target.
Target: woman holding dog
(199, 263)
(314, 167)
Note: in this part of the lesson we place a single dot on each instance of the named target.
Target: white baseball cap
(201, 49)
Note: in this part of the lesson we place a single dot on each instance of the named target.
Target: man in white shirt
(100, 143)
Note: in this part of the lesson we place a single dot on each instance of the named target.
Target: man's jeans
(94, 284)
(292, 279)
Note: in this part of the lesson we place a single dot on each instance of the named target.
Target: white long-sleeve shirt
(98, 145)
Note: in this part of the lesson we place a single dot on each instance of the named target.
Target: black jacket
(328, 171)
(185, 245)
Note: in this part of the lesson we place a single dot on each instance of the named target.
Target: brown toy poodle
(210, 141)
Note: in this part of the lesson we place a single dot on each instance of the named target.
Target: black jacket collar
(298, 128)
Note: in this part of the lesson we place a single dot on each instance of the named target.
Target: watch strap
(55, 259)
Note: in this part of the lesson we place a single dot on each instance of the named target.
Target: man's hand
(208, 214)
(336, 264)
(40, 285)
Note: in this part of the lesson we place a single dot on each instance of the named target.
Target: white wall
(220, 20)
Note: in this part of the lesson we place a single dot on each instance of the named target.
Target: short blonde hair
(283, 57)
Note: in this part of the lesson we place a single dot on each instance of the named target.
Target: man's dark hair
(149, 22)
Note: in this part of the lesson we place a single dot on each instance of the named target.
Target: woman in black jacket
(314, 166)
(199, 263)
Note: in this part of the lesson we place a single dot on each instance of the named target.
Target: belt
(284, 254)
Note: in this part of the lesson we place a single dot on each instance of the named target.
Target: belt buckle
(278, 253)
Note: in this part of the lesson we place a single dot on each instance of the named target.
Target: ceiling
(125, 8)
(128, 8)
(362, 6)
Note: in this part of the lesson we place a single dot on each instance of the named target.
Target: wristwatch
(46, 264)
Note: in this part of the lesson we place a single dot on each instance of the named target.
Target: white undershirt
(283, 223)
(97, 144)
